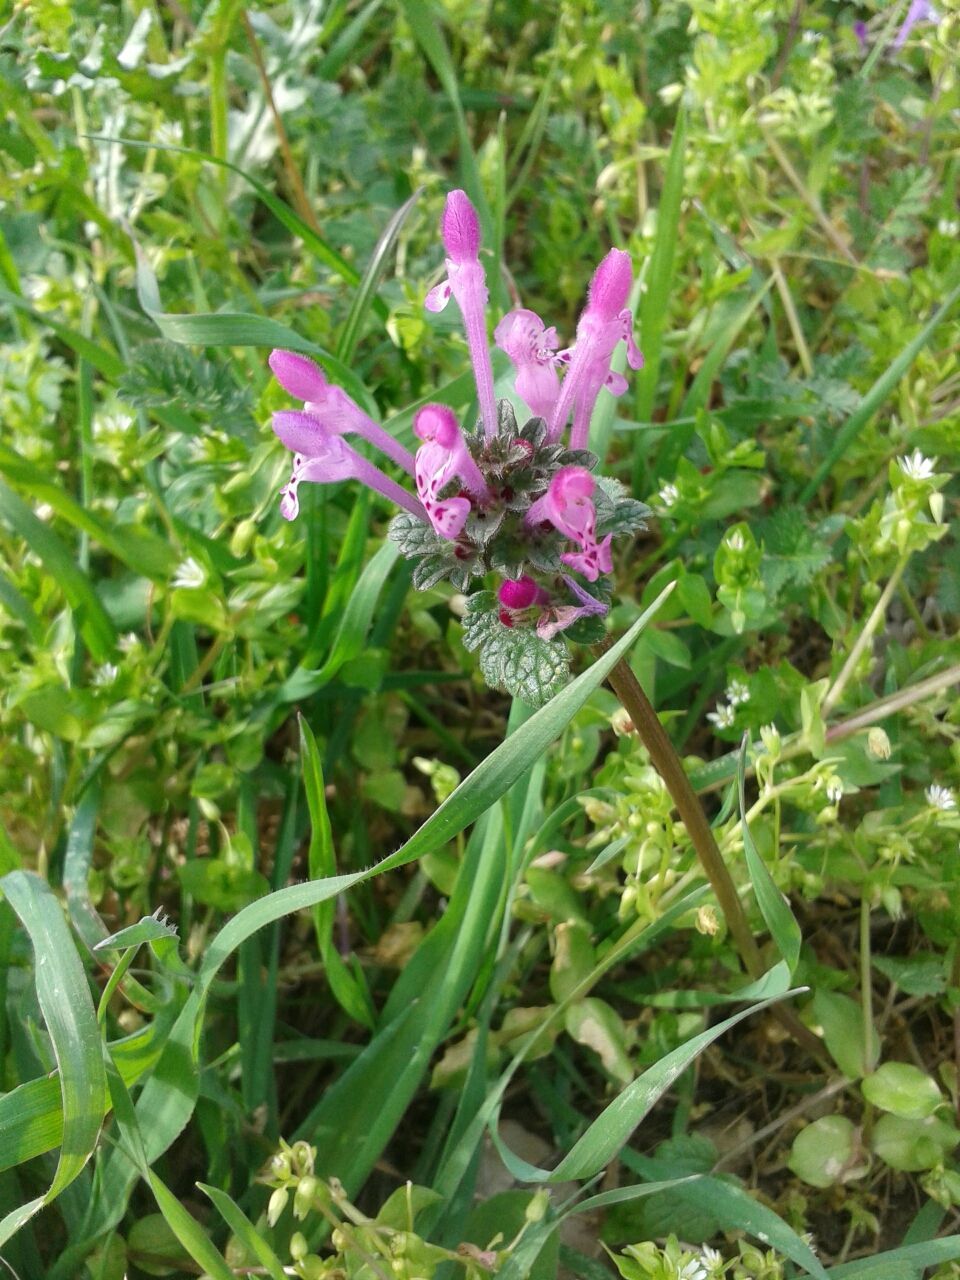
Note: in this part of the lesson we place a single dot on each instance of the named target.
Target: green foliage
(206, 941)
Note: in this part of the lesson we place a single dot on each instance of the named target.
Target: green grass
(458, 954)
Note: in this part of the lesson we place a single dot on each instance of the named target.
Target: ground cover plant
(559, 877)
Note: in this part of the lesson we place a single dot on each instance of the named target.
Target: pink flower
(330, 460)
(568, 506)
(605, 321)
(531, 347)
(328, 407)
(559, 617)
(521, 593)
(466, 281)
(441, 458)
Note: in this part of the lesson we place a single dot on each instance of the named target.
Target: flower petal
(438, 297)
(298, 374)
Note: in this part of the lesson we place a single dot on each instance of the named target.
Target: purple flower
(521, 593)
(466, 281)
(329, 408)
(605, 321)
(443, 457)
(860, 31)
(531, 347)
(919, 11)
(568, 506)
(330, 459)
(559, 617)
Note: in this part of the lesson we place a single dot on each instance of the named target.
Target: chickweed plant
(530, 846)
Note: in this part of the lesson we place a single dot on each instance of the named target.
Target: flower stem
(667, 763)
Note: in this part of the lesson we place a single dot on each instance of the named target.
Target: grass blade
(877, 394)
(92, 619)
(67, 1007)
(365, 293)
(654, 306)
(776, 912)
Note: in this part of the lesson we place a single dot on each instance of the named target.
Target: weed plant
(322, 955)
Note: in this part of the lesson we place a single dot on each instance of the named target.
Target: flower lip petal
(298, 374)
(460, 228)
(573, 482)
(301, 432)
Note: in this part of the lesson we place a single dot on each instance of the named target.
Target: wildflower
(737, 693)
(509, 498)
(736, 541)
(723, 717)
(331, 460)
(916, 466)
(466, 281)
(860, 31)
(190, 574)
(568, 506)
(940, 798)
(835, 791)
(919, 11)
(531, 347)
(669, 495)
(603, 324)
(327, 408)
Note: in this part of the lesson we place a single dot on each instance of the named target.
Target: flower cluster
(520, 501)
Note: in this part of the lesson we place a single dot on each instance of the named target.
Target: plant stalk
(667, 763)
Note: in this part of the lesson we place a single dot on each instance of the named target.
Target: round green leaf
(903, 1090)
(826, 1152)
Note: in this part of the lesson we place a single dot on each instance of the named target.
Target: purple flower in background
(497, 497)
(531, 347)
(919, 11)
(860, 31)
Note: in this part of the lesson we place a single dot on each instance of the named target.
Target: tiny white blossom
(712, 1258)
(169, 133)
(835, 791)
(105, 674)
(916, 466)
(669, 494)
(948, 227)
(940, 798)
(189, 574)
(736, 541)
(692, 1270)
(723, 717)
(737, 692)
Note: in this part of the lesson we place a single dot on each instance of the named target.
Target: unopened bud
(936, 507)
(298, 1246)
(621, 724)
(708, 922)
(278, 1202)
(878, 744)
(304, 1196)
(535, 1210)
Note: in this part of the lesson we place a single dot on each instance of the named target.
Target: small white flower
(105, 424)
(669, 494)
(712, 1258)
(189, 574)
(948, 227)
(835, 791)
(723, 717)
(916, 466)
(105, 674)
(737, 692)
(809, 1241)
(169, 133)
(692, 1270)
(940, 798)
(736, 541)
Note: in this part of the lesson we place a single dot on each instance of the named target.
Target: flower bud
(304, 1196)
(298, 1246)
(878, 744)
(277, 1204)
(708, 922)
